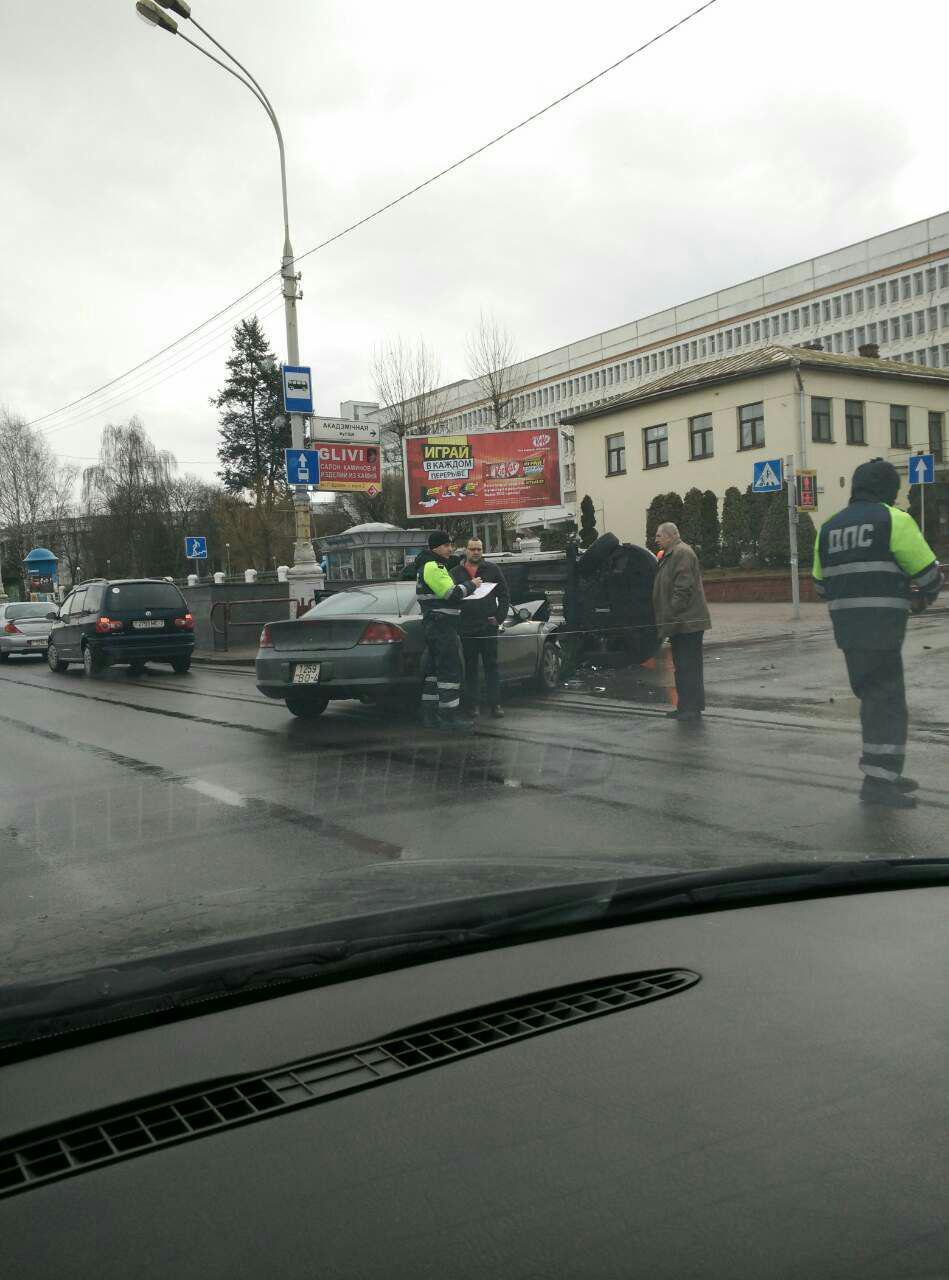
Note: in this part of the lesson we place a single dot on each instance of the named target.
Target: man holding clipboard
(482, 615)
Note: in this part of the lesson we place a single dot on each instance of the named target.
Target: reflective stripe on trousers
(876, 677)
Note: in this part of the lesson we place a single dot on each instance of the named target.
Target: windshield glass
(376, 599)
(15, 611)
(577, 520)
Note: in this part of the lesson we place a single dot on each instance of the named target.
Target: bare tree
(126, 493)
(36, 490)
(491, 360)
(407, 384)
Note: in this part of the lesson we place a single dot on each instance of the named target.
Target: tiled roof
(749, 363)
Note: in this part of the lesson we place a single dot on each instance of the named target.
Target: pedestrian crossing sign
(768, 476)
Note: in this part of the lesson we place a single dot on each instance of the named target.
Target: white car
(25, 628)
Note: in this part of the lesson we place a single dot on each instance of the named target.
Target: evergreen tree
(734, 527)
(756, 508)
(710, 535)
(774, 546)
(690, 526)
(254, 428)
(674, 509)
(655, 514)
(588, 532)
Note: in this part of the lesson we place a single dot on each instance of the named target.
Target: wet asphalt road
(141, 815)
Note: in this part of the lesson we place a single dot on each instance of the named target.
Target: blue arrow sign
(297, 388)
(303, 466)
(922, 468)
(768, 476)
(196, 548)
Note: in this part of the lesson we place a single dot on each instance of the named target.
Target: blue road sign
(303, 466)
(196, 548)
(297, 388)
(768, 476)
(922, 468)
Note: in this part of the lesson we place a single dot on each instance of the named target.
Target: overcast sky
(141, 186)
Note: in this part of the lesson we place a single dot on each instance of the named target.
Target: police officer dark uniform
(872, 565)
(440, 597)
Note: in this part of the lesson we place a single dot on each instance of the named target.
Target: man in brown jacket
(681, 614)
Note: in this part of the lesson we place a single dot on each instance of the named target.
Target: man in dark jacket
(873, 566)
(481, 621)
(678, 599)
(439, 597)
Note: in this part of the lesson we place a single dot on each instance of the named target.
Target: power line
(157, 377)
(361, 222)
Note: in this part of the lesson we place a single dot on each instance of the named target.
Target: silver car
(25, 628)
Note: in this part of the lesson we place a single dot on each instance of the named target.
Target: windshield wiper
(185, 981)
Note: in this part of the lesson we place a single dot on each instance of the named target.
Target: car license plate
(150, 624)
(36, 644)
(306, 673)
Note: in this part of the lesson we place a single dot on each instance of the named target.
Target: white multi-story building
(892, 290)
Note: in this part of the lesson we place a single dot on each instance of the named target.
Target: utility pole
(305, 572)
(792, 539)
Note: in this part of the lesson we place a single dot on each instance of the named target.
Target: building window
(700, 436)
(856, 430)
(917, 283)
(899, 427)
(858, 299)
(931, 279)
(932, 318)
(795, 320)
(751, 426)
(849, 339)
(656, 446)
(935, 435)
(894, 290)
(907, 291)
(944, 276)
(872, 331)
(616, 455)
(825, 308)
(836, 302)
(821, 421)
(885, 330)
(920, 321)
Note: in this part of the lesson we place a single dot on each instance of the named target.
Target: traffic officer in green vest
(440, 596)
(873, 566)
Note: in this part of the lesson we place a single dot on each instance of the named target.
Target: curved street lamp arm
(261, 97)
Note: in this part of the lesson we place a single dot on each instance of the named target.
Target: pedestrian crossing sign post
(768, 476)
(922, 471)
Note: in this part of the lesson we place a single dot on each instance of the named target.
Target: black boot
(887, 795)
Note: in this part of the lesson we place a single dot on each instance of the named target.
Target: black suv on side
(126, 622)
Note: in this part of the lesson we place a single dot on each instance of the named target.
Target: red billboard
(349, 468)
(483, 472)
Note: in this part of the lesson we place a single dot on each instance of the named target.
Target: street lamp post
(3, 593)
(227, 557)
(306, 572)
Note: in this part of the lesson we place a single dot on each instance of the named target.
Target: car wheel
(136, 668)
(4, 655)
(306, 706)
(93, 664)
(551, 665)
(181, 665)
(53, 660)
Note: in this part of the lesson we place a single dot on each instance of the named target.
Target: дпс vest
(865, 560)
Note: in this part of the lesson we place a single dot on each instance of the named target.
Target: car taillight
(105, 625)
(266, 639)
(11, 629)
(382, 633)
(186, 623)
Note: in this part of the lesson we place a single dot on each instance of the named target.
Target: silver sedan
(25, 628)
